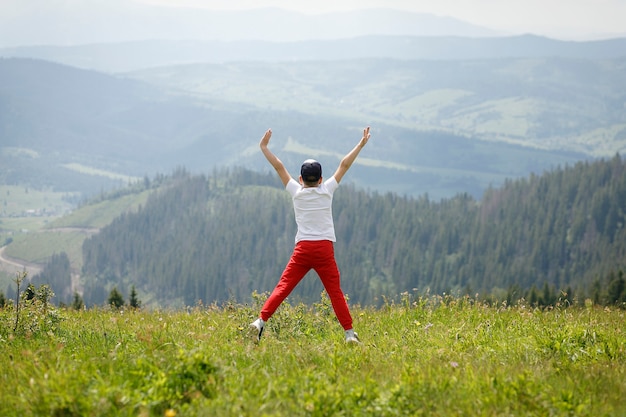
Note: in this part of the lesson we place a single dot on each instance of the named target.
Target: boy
(312, 203)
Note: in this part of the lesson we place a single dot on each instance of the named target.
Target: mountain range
(131, 56)
(77, 22)
(455, 109)
(442, 126)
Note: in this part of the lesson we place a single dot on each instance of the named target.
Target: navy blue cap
(311, 171)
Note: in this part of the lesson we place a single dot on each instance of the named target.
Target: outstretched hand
(366, 136)
(265, 140)
(272, 159)
(347, 160)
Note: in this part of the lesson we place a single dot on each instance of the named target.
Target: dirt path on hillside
(13, 266)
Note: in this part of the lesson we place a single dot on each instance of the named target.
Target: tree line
(555, 237)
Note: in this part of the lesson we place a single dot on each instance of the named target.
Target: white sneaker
(256, 329)
(352, 336)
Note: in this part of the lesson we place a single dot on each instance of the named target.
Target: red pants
(318, 255)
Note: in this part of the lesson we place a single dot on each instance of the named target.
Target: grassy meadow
(429, 356)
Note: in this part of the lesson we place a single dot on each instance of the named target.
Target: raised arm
(273, 159)
(347, 160)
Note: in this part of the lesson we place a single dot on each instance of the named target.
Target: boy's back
(313, 210)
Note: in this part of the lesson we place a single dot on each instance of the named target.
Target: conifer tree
(616, 292)
(133, 300)
(533, 297)
(77, 302)
(115, 300)
(596, 292)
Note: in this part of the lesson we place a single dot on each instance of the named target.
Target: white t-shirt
(313, 209)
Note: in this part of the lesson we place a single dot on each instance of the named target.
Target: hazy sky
(572, 18)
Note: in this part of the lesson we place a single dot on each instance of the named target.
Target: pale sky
(569, 18)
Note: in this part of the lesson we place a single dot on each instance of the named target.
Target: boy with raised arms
(312, 198)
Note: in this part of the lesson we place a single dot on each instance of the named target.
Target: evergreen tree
(548, 298)
(57, 274)
(596, 292)
(115, 300)
(133, 300)
(533, 297)
(616, 292)
(77, 302)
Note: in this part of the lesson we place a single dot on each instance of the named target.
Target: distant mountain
(560, 104)
(131, 56)
(54, 108)
(62, 127)
(74, 22)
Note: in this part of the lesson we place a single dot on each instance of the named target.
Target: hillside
(116, 57)
(440, 128)
(221, 238)
(561, 104)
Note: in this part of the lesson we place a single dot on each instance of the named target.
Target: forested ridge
(559, 235)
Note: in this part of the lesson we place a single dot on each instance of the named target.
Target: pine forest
(553, 238)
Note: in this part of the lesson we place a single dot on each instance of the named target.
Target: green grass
(100, 214)
(99, 172)
(431, 357)
(11, 226)
(39, 247)
(15, 201)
